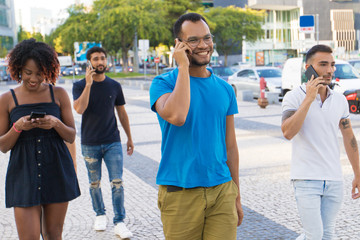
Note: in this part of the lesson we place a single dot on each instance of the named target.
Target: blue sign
(307, 21)
(81, 50)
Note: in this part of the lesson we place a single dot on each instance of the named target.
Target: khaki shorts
(207, 213)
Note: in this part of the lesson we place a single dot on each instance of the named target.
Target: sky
(54, 8)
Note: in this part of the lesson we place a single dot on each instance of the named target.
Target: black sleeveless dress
(40, 169)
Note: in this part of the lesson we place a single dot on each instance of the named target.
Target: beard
(195, 62)
(97, 71)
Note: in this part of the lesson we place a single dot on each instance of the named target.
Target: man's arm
(292, 121)
(173, 107)
(233, 161)
(124, 120)
(352, 152)
(81, 104)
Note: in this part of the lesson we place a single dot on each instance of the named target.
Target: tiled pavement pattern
(267, 194)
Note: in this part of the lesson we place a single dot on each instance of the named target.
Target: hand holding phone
(35, 115)
(311, 71)
(182, 52)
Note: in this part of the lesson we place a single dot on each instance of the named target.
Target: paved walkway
(267, 195)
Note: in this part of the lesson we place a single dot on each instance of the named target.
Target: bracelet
(16, 129)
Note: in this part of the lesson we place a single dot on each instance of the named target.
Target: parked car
(352, 97)
(249, 79)
(70, 71)
(223, 72)
(168, 69)
(345, 75)
(355, 63)
(4, 76)
(117, 69)
(241, 65)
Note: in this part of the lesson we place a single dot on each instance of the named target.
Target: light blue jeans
(113, 158)
(318, 203)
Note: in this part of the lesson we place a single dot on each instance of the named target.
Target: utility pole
(317, 28)
(136, 55)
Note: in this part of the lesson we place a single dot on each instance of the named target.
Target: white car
(249, 79)
(346, 77)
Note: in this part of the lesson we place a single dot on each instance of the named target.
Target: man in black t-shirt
(95, 97)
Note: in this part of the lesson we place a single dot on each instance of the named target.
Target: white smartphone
(89, 65)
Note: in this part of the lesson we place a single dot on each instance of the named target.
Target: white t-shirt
(315, 148)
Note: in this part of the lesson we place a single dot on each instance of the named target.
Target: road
(266, 191)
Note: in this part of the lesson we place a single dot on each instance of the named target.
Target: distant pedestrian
(96, 97)
(199, 170)
(312, 115)
(41, 178)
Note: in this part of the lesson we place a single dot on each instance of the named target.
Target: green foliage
(114, 23)
(78, 27)
(109, 74)
(125, 17)
(23, 35)
(3, 52)
(172, 10)
(230, 24)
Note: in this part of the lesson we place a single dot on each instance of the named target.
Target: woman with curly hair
(41, 178)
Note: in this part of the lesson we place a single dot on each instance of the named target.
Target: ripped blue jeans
(113, 158)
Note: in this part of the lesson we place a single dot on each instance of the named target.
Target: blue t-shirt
(194, 155)
(99, 124)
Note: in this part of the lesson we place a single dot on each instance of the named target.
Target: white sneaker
(100, 223)
(121, 230)
(301, 237)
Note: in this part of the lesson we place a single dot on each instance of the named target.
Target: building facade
(338, 24)
(8, 35)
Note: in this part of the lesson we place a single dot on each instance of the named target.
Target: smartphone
(89, 65)
(34, 115)
(309, 72)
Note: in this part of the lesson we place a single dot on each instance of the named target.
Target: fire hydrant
(262, 101)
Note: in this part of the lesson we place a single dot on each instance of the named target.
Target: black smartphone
(309, 72)
(34, 115)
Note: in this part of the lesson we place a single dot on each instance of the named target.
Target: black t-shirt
(99, 125)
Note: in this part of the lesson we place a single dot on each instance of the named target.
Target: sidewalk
(267, 195)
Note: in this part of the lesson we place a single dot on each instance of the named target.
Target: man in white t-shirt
(311, 116)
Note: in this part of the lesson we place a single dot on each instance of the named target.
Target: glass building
(7, 24)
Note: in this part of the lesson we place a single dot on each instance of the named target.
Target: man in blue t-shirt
(95, 97)
(199, 169)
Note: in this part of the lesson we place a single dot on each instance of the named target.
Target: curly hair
(44, 56)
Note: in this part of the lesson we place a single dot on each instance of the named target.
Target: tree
(78, 27)
(230, 24)
(125, 17)
(172, 10)
(22, 35)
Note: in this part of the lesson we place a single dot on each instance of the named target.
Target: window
(243, 73)
(3, 17)
(251, 75)
(345, 71)
(269, 73)
(6, 42)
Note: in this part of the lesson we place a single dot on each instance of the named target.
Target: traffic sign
(307, 24)
(156, 60)
(144, 44)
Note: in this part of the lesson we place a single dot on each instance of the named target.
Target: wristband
(16, 129)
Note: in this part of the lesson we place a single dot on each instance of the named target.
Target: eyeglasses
(194, 42)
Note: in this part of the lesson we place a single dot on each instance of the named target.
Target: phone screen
(310, 71)
(37, 115)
